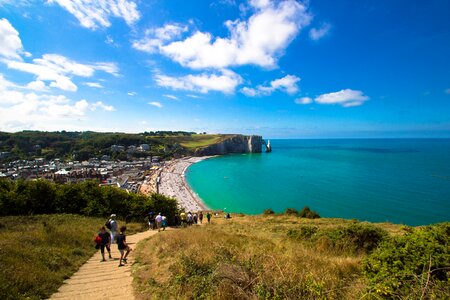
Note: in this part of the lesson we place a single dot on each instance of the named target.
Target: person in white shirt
(113, 229)
(158, 220)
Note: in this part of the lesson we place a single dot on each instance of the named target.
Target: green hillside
(288, 257)
(39, 252)
(85, 145)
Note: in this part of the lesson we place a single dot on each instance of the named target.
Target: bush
(86, 198)
(306, 212)
(413, 266)
(357, 237)
(269, 211)
(291, 211)
(305, 232)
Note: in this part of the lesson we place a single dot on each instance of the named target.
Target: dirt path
(103, 280)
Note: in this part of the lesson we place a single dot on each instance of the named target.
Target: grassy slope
(251, 257)
(38, 252)
(194, 141)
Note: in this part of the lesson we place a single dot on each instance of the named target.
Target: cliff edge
(235, 144)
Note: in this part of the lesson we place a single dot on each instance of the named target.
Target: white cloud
(173, 97)
(260, 40)
(37, 85)
(156, 37)
(318, 33)
(132, 93)
(59, 70)
(95, 14)
(34, 110)
(226, 82)
(156, 103)
(94, 85)
(346, 98)
(100, 104)
(287, 84)
(193, 96)
(14, 2)
(10, 43)
(108, 67)
(5, 84)
(303, 100)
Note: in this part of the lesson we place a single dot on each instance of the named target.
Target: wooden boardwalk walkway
(103, 280)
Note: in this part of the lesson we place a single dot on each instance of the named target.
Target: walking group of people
(193, 218)
(111, 233)
(157, 222)
(104, 239)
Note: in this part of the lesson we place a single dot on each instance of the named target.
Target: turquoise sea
(397, 180)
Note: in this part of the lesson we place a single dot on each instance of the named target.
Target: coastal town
(144, 175)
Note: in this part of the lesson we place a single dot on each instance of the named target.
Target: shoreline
(171, 182)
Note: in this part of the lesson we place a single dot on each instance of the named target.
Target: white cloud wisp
(225, 83)
(345, 98)
(96, 14)
(287, 84)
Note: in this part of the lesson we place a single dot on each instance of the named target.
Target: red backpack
(98, 240)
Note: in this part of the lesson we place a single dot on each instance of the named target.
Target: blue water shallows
(397, 180)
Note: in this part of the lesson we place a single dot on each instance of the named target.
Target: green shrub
(358, 237)
(87, 198)
(305, 232)
(269, 211)
(291, 211)
(306, 212)
(413, 266)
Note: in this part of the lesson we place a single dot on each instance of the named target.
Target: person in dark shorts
(123, 246)
(105, 242)
(208, 216)
(200, 217)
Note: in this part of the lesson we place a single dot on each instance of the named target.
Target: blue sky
(282, 69)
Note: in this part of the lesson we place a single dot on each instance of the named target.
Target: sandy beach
(170, 180)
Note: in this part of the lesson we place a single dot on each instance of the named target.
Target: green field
(37, 253)
(194, 141)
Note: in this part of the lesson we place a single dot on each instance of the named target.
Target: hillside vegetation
(194, 141)
(85, 145)
(288, 257)
(24, 197)
(37, 253)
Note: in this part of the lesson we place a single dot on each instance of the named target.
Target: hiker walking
(105, 242)
(183, 219)
(200, 217)
(208, 216)
(151, 221)
(195, 218)
(189, 218)
(158, 220)
(164, 222)
(123, 246)
(112, 226)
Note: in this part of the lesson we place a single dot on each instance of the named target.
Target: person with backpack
(123, 246)
(103, 240)
(111, 224)
(208, 216)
